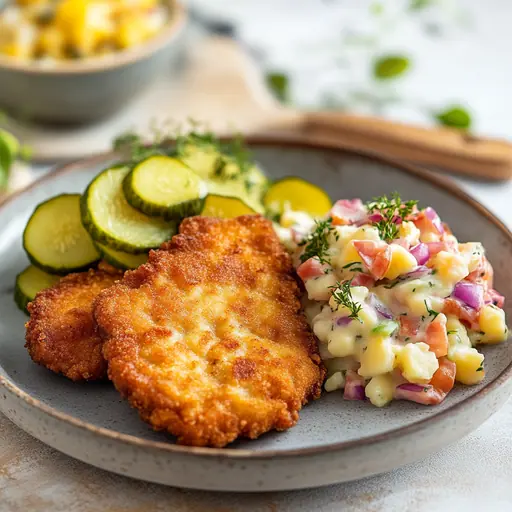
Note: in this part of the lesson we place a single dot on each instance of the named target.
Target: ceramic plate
(335, 440)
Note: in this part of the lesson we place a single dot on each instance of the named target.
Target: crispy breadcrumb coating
(207, 340)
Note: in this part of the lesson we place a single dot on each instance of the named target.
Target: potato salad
(56, 30)
(398, 305)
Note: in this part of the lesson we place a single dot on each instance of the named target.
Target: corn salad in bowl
(399, 306)
(54, 30)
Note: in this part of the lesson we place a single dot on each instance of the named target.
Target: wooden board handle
(445, 148)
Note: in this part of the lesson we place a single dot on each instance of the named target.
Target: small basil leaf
(279, 84)
(454, 117)
(390, 66)
(418, 5)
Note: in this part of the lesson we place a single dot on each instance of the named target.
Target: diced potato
(492, 324)
(409, 232)
(457, 334)
(318, 288)
(348, 255)
(51, 43)
(451, 267)
(334, 382)
(132, 31)
(417, 363)
(402, 261)
(341, 342)
(473, 253)
(378, 358)
(469, 364)
(380, 390)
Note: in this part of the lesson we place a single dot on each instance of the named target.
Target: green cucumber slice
(29, 283)
(55, 239)
(297, 194)
(111, 221)
(121, 260)
(164, 187)
(225, 207)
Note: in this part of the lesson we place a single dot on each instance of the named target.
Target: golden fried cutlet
(207, 340)
(61, 333)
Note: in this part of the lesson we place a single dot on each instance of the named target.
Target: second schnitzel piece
(207, 340)
(61, 333)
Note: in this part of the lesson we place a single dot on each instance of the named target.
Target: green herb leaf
(279, 84)
(390, 210)
(387, 327)
(390, 66)
(454, 117)
(418, 5)
(343, 297)
(453, 331)
(431, 312)
(317, 242)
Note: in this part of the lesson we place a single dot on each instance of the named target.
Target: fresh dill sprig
(392, 211)
(317, 242)
(232, 151)
(343, 297)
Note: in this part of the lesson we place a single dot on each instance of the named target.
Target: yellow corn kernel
(451, 267)
(334, 382)
(492, 323)
(380, 390)
(409, 232)
(417, 363)
(402, 261)
(469, 365)
(378, 358)
(349, 254)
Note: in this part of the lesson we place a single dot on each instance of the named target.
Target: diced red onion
(343, 321)
(346, 211)
(417, 272)
(409, 386)
(414, 393)
(354, 386)
(421, 252)
(469, 293)
(493, 297)
(397, 219)
(381, 309)
(375, 217)
(432, 216)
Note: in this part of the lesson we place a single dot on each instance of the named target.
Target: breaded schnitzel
(207, 340)
(61, 333)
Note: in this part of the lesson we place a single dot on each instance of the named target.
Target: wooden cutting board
(221, 86)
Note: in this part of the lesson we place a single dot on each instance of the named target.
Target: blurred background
(426, 62)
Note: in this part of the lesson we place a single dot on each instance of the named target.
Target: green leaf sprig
(390, 210)
(343, 297)
(316, 244)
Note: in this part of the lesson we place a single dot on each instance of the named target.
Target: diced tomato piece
(409, 326)
(465, 314)
(449, 244)
(311, 268)
(436, 337)
(361, 279)
(435, 391)
(493, 297)
(483, 274)
(444, 378)
(375, 255)
(346, 212)
(427, 221)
